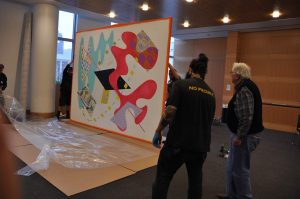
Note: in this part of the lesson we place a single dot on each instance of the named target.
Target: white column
(44, 39)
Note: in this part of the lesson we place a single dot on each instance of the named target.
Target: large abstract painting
(119, 77)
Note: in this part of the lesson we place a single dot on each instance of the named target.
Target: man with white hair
(244, 120)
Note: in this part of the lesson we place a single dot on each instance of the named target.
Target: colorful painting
(119, 77)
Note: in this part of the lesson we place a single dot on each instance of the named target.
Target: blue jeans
(169, 161)
(238, 167)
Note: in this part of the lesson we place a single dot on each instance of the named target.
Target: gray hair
(242, 69)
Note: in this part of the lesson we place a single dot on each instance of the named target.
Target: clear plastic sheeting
(25, 171)
(41, 163)
(72, 149)
(12, 108)
(68, 145)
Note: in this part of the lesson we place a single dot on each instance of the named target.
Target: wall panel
(280, 118)
(231, 57)
(274, 57)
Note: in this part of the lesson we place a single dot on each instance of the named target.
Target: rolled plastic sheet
(71, 146)
(12, 108)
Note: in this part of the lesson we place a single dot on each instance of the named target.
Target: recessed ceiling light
(112, 14)
(145, 6)
(226, 19)
(189, 1)
(186, 24)
(276, 14)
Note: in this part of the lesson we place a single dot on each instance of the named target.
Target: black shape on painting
(103, 76)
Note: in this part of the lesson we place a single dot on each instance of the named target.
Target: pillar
(43, 60)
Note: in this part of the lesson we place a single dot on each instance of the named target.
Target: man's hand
(156, 141)
(174, 72)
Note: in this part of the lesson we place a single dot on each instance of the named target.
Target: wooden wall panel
(215, 49)
(285, 66)
(280, 118)
(282, 91)
(231, 57)
(274, 57)
(285, 42)
(254, 43)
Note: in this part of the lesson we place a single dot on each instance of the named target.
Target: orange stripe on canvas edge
(167, 63)
(123, 24)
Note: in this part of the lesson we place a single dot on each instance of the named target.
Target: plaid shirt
(244, 109)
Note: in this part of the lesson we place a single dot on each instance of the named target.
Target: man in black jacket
(3, 84)
(190, 113)
(65, 92)
(244, 120)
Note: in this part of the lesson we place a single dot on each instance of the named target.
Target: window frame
(58, 77)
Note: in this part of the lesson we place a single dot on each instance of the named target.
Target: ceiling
(201, 13)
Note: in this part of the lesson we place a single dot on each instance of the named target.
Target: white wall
(11, 22)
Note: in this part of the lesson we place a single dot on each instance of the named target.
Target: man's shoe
(222, 196)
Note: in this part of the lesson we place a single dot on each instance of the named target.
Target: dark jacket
(65, 87)
(232, 120)
(3, 81)
(191, 128)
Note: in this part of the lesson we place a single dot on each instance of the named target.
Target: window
(171, 56)
(65, 41)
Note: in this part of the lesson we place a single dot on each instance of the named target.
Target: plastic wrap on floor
(75, 150)
(69, 147)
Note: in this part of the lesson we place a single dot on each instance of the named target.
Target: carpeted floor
(275, 173)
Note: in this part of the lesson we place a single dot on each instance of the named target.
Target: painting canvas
(119, 77)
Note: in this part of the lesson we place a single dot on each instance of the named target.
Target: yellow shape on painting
(105, 95)
(125, 85)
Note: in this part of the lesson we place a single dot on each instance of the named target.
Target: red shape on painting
(147, 60)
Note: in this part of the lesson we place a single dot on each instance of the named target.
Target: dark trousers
(169, 161)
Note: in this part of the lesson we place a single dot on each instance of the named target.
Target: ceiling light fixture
(276, 13)
(189, 1)
(186, 24)
(226, 19)
(112, 14)
(145, 6)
